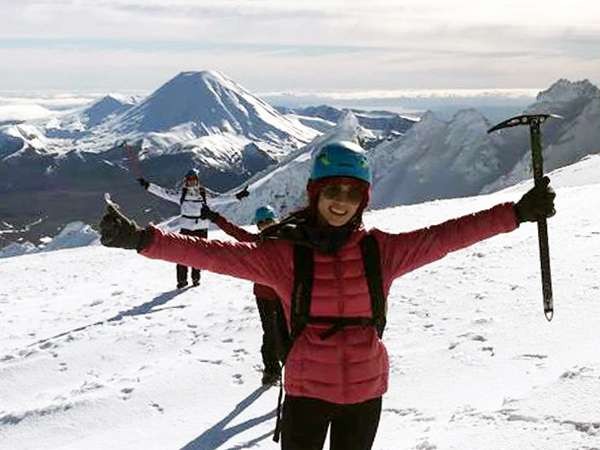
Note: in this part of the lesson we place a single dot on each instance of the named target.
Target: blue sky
(308, 45)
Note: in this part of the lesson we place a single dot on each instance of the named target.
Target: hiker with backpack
(333, 278)
(269, 306)
(190, 197)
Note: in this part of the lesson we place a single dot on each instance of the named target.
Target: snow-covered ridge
(74, 234)
(565, 91)
(448, 158)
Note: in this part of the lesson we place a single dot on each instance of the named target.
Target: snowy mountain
(444, 159)
(383, 123)
(216, 104)
(21, 140)
(100, 341)
(565, 141)
(197, 119)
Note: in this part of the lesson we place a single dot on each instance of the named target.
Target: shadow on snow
(218, 434)
(145, 308)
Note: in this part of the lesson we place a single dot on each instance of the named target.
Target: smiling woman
(332, 277)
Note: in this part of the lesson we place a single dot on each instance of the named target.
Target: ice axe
(534, 121)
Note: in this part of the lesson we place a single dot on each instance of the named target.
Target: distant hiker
(333, 277)
(190, 197)
(267, 301)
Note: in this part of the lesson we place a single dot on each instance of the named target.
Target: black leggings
(305, 422)
(182, 270)
(272, 321)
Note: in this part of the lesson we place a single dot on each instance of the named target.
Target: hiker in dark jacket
(337, 369)
(267, 301)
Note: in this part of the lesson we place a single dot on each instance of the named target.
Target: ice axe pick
(535, 121)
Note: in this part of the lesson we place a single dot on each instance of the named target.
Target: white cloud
(309, 44)
(23, 112)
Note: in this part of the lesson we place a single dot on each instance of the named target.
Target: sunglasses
(351, 194)
(265, 223)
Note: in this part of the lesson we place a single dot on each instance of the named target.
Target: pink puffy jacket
(351, 366)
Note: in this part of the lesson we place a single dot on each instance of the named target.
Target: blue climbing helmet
(264, 213)
(192, 173)
(341, 159)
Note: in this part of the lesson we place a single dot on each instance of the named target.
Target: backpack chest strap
(338, 323)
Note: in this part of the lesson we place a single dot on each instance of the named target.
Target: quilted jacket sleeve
(263, 263)
(405, 252)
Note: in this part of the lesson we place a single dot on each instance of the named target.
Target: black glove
(116, 230)
(537, 203)
(143, 183)
(243, 193)
(207, 213)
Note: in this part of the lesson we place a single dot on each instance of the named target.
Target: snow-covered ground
(97, 349)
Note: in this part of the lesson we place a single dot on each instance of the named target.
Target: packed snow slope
(97, 347)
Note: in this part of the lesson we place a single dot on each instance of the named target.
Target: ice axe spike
(534, 121)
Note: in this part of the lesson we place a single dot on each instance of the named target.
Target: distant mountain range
(53, 172)
(444, 159)
(56, 170)
(438, 158)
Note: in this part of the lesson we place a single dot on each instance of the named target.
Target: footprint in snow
(533, 356)
(157, 407)
(425, 445)
(47, 345)
(402, 412)
(473, 337)
(126, 393)
(27, 353)
(216, 362)
(237, 378)
(575, 372)
(488, 349)
(482, 321)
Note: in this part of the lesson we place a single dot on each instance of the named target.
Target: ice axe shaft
(534, 121)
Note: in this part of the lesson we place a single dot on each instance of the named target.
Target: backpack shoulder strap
(302, 293)
(372, 263)
(301, 297)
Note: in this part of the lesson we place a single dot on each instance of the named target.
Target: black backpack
(302, 296)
